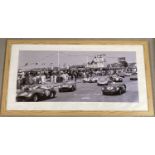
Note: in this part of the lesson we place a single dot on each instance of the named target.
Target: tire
(120, 92)
(72, 89)
(124, 89)
(35, 98)
(52, 95)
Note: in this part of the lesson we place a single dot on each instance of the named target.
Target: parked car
(134, 76)
(90, 80)
(103, 81)
(67, 86)
(116, 78)
(114, 88)
(35, 93)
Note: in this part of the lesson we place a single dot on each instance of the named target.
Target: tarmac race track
(90, 92)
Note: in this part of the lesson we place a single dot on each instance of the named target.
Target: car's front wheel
(120, 92)
(35, 98)
(52, 95)
(73, 88)
(124, 89)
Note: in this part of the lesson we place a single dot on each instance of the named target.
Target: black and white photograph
(77, 76)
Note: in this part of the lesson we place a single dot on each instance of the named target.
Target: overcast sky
(70, 57)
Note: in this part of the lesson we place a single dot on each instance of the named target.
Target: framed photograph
(77, 77)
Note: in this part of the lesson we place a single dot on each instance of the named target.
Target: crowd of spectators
(41, 77)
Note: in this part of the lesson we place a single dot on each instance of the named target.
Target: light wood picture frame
(72, 53)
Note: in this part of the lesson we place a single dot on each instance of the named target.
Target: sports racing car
(133, 76)
(35, 93)
(116, 78)
(90, 80)
(103, 81)
(67, 86)
(114, 88)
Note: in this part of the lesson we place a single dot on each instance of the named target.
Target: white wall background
(77, 19)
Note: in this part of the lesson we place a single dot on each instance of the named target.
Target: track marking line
(85, 98)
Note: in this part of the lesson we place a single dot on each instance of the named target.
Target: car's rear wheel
(35, 98)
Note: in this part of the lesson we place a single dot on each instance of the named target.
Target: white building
(98, 61)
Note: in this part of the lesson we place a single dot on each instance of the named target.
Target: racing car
(103, 81)
(35, 93)
(114, 88)
(116, 78)
(90, 80)
(133, 76)
(67, 86)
